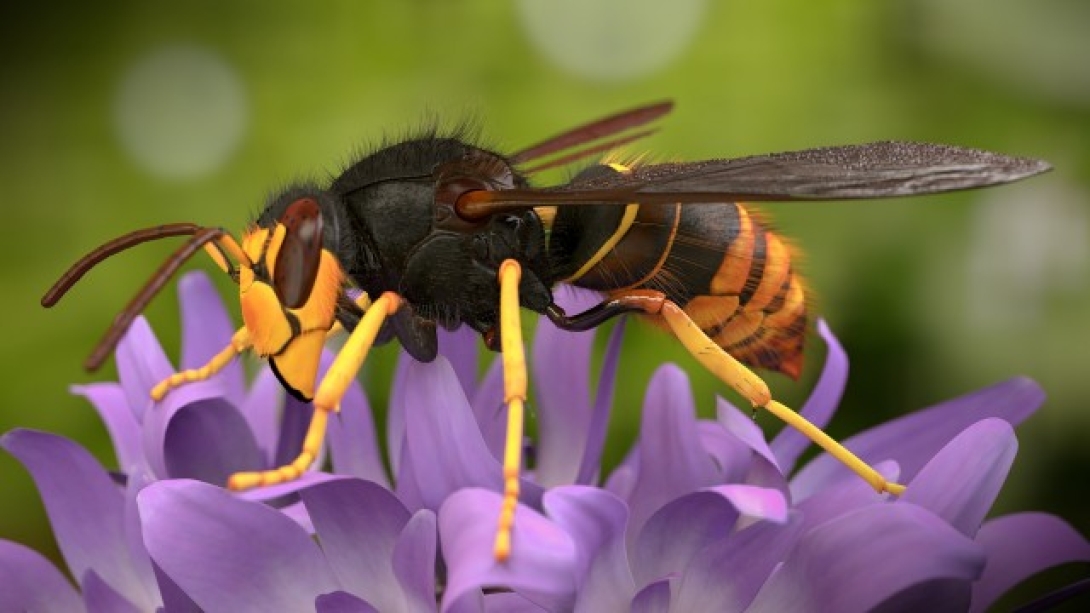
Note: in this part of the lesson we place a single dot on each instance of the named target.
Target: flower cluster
(702, 514)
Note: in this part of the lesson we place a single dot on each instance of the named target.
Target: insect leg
(363, 301)
(328, 397)
(746, 382)
(239, 342)
(514, 395)
(738, 377)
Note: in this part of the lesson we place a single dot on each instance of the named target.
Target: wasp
(438, 231)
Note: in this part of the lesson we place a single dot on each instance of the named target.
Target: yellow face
(289, 298)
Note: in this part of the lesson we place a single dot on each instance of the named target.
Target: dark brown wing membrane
(876, 170)
(595, 130)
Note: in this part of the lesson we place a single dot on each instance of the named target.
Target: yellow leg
(514, 394)
(239, 342)
(328, 397)
(745, 382)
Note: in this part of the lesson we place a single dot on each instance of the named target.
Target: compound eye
(300, 253)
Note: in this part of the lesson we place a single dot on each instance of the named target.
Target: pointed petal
(763, 467)
(441, 435)
(99, 597)
(461, 347)
(414, 559)
(914, 439)
(141, 365)
(560, 365)
(654, 598)
(112, 406)
(1021, 545)
(595, 520)
(861, 559)
(962, 481)
(603, 401)
(342, 602)
(820, 406)
(31, 583)
(229, 554)
(725, 575)
(207, 330)
(358, 524)
(667, 431)
(85, 508)
(542, 562)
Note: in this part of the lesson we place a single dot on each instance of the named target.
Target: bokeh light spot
(611, 40)
(1028, 243)
(180, 111)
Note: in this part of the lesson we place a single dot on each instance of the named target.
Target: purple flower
(700, 515)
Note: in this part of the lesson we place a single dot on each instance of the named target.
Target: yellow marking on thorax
(627, 219)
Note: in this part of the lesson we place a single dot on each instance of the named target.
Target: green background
(932, 297)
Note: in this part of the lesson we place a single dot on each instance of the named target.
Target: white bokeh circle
(180, 111)
(611, 40)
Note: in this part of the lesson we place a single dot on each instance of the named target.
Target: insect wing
(594, 131)
(876, 170)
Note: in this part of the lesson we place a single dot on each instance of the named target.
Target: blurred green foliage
(317, 82)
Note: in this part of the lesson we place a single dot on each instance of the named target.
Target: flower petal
(157, 421)
(352, 439)
(725, 575)
(670, 465)
(112, 406)
(560, 365)
(175, 600)
(842, 497)
(294, 422)
(209, 440)
(1021, 545)
(230, 554)
(863, 558)
(461, 348)
(85, 508)
(673, 535)
(342, 602)
(98, 596)
(414, 561)
(441, 435)
(595, 520)
(396, 413)
(358, 524)
(141, 365)
(820, 406)
(962, 481)
(654, 598)
(262, 409)
(914, 439)
(208, 330)
(489, 410)
(542, 562)
(603, 402)
(31, 583)
(761, 465)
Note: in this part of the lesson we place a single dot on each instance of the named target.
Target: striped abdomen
(732, 275)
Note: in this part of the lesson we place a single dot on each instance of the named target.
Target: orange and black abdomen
(732, 275)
